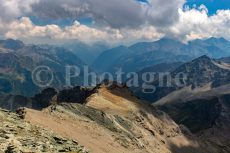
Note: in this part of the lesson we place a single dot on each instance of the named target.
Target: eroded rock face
(17, 135)
(46, 98)
(74, 95)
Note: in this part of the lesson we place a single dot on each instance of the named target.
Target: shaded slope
(206, 114)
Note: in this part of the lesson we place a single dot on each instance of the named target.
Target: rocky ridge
(203, 73)
(113, 120)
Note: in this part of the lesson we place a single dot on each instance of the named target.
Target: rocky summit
(18, 136)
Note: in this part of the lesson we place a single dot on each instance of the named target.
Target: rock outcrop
(16, 136)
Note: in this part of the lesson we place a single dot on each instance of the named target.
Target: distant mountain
(87, 53)
(212, 47)
(107, 59)
(202, 73)
(11, 44)
(164, 45)
(163, 67)
(145, 54)
(17, 65)
(155, 70)
(14, 77)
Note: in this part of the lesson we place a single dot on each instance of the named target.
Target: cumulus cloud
(192, 24)
(25, 29)
(163, 12)
(116, 14)
(116, 22)
(11, 9)
(196, 24)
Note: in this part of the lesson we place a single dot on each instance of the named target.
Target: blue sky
(212, 5)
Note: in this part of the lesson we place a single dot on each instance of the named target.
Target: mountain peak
(216, 40)
(202, 61)
(12, 44)
(167, 40)
(203, 57)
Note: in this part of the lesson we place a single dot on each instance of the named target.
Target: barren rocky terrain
(110, 119)
(113, 120)
(19, 136)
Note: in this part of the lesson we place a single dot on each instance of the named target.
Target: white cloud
(11, 9)
(26, 30)
(146, 33)
(124, 22)
(196, 24)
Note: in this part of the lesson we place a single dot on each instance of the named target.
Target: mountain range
(86, 52)
(193, 118)
(203, 73)
(145, 54)
(18, 61)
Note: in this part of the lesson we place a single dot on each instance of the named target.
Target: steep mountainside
(112, 120)
(18, 64)
(205, 113)
(202, 73)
